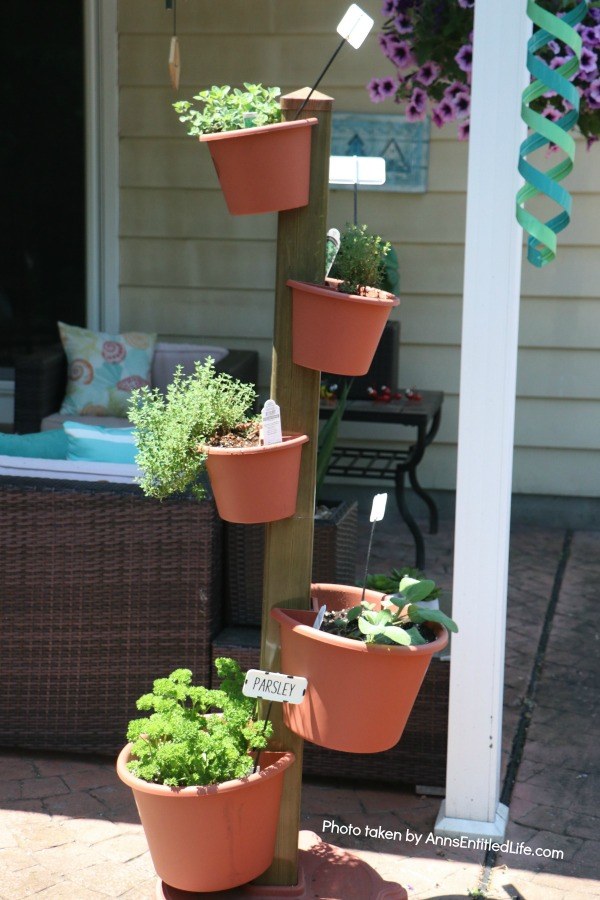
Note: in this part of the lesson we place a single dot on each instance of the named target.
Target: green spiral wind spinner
(541, 243)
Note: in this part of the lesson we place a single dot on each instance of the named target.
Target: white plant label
(355, 26)
(320, 616)
(271, 423)
(378, 508)
(274, 686)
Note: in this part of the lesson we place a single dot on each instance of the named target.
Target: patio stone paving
(69, 829)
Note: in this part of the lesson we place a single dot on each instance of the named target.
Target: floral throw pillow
(103, 369)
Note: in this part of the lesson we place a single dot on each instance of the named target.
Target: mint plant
(399, 621)
(223, 109)
(360, 260)
(171, 430)
(185, 742)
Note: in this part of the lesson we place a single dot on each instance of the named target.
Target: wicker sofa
(41, 377)
(101, 588)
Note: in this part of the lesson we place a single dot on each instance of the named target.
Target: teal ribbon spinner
(542, 240)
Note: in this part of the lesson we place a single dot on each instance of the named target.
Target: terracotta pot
(336, 332)
(211, 838)
(263, 169)
(359, 695)
(256, 484)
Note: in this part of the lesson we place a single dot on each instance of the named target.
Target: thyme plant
(183, 742)
(169, 430)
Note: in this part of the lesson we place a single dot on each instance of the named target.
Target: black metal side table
(424, 414)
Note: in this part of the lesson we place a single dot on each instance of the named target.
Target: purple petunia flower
(462, 104)
(418, 99)
(389, 86)
(592, 94)
(457, 87)
(591, 35)
(436, 118)
(389, 7)
(402, 24)
(466, 4)
(463, 131)
(428, 73)
(414, 114)
(445, 110)
(594, 13)
(589, 60)
(464, 58)
(554, 46)
(552, 113)
(402, 55)
(374, 89)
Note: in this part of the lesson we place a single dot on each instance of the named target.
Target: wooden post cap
(295, 99)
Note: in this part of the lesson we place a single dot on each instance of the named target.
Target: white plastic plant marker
(274, 686)
(320, 616)
(271, 423)
(355, 26)
(356, 170)
(378, 507)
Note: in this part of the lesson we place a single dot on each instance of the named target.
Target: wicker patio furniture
(101, 591)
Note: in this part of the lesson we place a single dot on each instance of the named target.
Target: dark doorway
(42, 173)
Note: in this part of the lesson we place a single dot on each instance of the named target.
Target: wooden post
(289, 543)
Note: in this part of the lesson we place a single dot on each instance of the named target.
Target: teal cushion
(92, 442)
(42, 444)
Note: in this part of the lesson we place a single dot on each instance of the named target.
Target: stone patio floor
(69, 829)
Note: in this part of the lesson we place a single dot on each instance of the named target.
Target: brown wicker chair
(101, 591)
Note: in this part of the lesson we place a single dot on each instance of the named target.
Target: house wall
(188, 267)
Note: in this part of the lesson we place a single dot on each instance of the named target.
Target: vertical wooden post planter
(288, 545)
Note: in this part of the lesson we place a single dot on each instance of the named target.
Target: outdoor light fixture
(353, 28)
(355, 170)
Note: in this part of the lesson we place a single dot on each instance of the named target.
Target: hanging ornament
(174, 60)
(541, 243)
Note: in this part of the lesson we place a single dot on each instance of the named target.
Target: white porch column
(486, 423)
(102, 164)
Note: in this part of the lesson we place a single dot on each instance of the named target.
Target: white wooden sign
(274, 686)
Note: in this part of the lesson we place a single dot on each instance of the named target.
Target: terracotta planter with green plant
(203, 423)
(375, 651)
(209, 812)
(263, 163)
(336, 326)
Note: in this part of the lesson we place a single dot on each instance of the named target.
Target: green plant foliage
(397, 620)
(223, 109)
(169, 429)
(360, 260)
(184, 742)
(390, 583)
(328, 436)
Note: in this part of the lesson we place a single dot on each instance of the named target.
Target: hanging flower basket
(336, 332)
(263, 169)
(256, 484)
(359, 695)
(211, 838)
